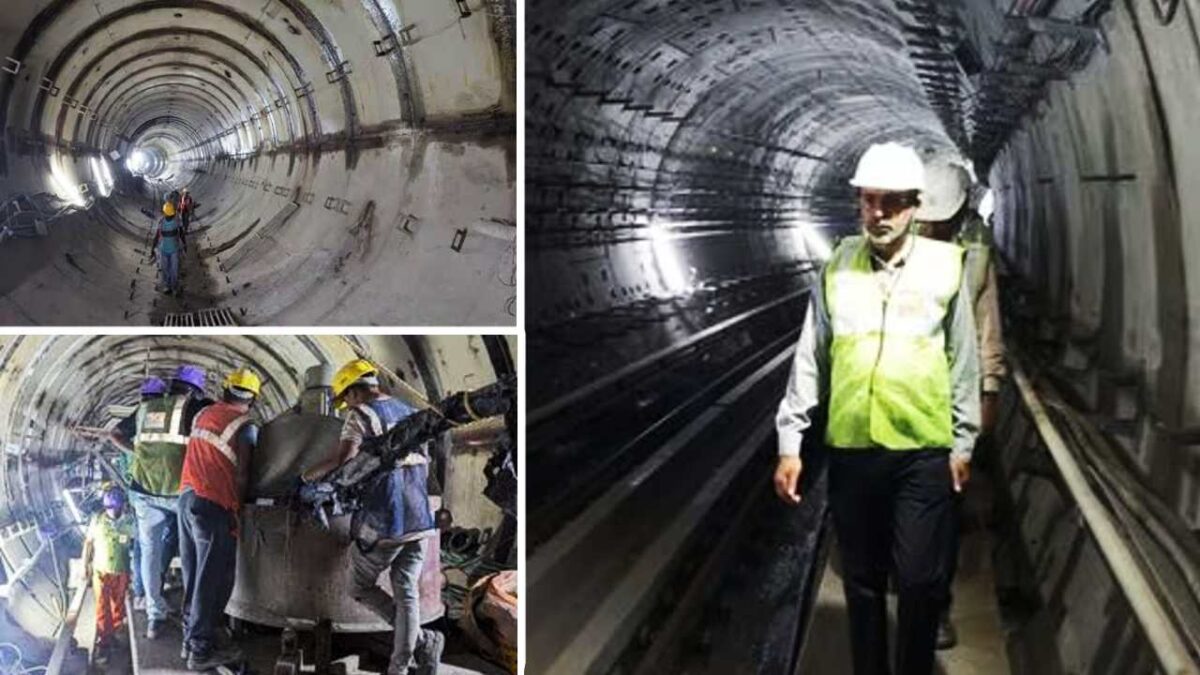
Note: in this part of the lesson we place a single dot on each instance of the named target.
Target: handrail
(1168, 646)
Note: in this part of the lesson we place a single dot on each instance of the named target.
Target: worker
(890, 350)
(163, 426)
(945, 215)
(394, 519)
(212, 489)
(170, 243)
(152, 388)
(185, 206)
(106, 562)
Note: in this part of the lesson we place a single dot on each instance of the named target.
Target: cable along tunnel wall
(395, 154)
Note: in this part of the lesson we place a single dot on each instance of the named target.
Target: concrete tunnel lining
(50, 384)
(691, 164)
(374, 171)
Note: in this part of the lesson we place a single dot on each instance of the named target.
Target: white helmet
(889, 166)
(947, 185)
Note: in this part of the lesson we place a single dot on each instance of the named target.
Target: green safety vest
(160, 445)
(111, 540)
(890, 378)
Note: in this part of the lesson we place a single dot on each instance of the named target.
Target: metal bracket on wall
(304, 89)
(308, 197)
(405, 35)
(339, 72)
(460, 236)
(48, 86)
(385, 45)
(70, 102)
(464, 8)
(267, 186)
(282, 190)
(14, 66)
(337, 204)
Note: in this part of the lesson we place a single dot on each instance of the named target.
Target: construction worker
(170, 243)
(212, 488)
(152, 388)
(163, 426)
(106, 547)
(945, 215)
(394, 519)
(890, 349)
(184, 207)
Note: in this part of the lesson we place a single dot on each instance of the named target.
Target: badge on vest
(124, 539)
(156, 420)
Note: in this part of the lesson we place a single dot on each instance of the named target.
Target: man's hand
(989, 407)
(787, 479)
(960, 472)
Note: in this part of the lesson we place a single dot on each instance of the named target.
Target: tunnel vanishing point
(351, 162)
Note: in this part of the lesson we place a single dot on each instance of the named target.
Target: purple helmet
(114, 498)
(153, 385)
(193, 375)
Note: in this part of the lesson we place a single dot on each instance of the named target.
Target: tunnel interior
(686, 176)
(351, 163)
(54, 385)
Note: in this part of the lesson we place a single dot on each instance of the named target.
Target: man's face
(885, 215)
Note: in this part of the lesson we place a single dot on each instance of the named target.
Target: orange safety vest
(210, 465)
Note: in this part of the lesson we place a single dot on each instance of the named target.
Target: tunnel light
(987, 205)
(670, 266)
(136, 162)
(66, 187)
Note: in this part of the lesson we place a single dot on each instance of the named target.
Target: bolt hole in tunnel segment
(349, 162)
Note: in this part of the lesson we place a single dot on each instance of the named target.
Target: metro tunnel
(349, 163)
(688, 170)
(292, 608)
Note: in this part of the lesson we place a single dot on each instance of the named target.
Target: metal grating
(205, 318)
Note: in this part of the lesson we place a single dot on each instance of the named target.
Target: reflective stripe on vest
(890, 376)
(172, 434)
(222, 441)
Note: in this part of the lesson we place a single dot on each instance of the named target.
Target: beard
(884, 238)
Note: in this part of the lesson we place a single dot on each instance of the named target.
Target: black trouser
(208, 551)
(894, 510)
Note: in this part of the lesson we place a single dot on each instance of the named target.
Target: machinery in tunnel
(687, 175)
(291, 605)
(350, 163)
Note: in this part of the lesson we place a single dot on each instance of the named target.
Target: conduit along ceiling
(351, 162)
(53, 386)
(687, 173)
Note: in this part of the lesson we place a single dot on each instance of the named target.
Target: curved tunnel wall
(1096, 214)
(50, 384)
(335, 150)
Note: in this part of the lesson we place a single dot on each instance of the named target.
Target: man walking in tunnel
(212, 488)
(945, 215)
(888, 346)
(169, 244)
(394, 520)
(163, 426)
(184, 207)
(106, 561)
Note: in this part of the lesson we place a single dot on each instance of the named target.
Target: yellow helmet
(350, 373)
(243, 378)
(169, 210)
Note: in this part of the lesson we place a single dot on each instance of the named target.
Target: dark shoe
(947, 637)
(428, 655)
(221, 656)
(153, 626)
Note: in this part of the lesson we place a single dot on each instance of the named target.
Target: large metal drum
(291, 572)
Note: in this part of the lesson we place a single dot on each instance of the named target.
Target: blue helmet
(153, 386)
(114, 498)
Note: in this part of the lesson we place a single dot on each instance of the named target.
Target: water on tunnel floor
(351, 163)
(687, 170)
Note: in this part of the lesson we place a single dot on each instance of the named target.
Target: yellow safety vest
(111, 540)
(890, 377)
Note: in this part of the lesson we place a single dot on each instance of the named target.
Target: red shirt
(210, 464)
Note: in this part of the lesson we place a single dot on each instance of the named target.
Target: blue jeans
(403, 561)
(156, 517)
(170, 269)
(135, 568)
(208, 551)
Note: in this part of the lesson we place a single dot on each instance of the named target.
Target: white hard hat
(889, 166)
(946, 187)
